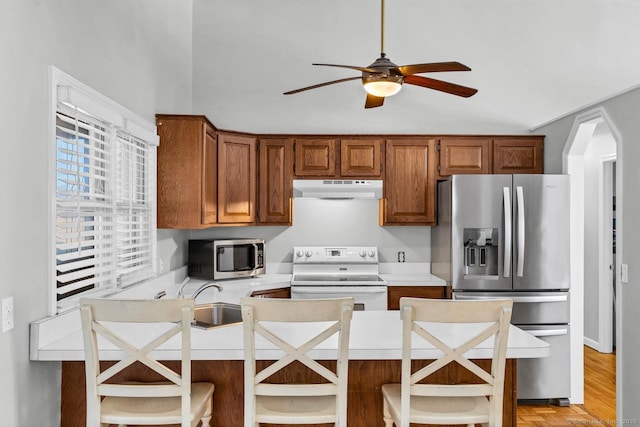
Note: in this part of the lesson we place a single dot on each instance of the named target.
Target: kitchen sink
(216, 314)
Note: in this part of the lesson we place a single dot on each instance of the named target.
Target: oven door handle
(347, 290)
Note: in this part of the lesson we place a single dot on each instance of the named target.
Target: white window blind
(104, 199)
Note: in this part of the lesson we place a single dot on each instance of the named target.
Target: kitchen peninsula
(375, 353)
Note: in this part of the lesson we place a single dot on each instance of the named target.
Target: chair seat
(439, 410)
(301, 409)
(154, 410)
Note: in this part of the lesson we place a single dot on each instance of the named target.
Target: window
(104, 223)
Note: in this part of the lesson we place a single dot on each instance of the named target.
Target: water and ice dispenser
(480, 251)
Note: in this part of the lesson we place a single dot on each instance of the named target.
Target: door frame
(573, 164)
(605, 256)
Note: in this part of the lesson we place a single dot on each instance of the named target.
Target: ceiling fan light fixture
(381, 85)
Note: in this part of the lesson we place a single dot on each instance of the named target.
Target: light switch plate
(624, 273)
(7, 314)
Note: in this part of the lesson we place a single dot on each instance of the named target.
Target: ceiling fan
(384, 78)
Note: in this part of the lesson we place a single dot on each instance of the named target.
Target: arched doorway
(589, 157)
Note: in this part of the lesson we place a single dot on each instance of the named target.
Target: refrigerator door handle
(516, 299)
(520, 200)
(507, 230)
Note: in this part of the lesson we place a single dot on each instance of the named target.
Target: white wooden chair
(176, 401)
(296, 403)
(414, 402)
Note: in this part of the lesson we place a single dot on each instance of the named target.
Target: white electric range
(339, 271)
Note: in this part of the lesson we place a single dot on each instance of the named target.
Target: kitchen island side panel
(366, 378)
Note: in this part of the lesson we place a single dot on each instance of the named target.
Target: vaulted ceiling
(532, 61)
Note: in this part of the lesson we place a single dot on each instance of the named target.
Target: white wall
(335, 222)
(136, 53)
(623, 112)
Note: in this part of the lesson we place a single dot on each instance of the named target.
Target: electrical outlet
(7, 314)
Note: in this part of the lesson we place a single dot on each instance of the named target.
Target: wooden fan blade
(434, 84)
(373, 101)
(291, 92)
(352, 67)
(433, 67)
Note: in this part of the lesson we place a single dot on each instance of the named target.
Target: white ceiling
(532, 61)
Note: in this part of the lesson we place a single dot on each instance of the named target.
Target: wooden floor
(599, 402)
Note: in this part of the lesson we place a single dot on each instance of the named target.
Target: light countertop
(374, 334)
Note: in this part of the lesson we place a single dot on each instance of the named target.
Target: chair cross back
(297, 353)
(133, 402)
(288, 403)
(454, 354)
(413, 401)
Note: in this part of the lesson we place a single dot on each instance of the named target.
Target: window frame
(124, 126)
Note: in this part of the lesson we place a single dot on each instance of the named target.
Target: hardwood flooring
(599, 404)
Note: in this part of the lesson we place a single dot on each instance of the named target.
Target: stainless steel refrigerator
(508, 236)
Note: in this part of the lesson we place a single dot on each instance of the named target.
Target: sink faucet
(204, 287)
(180, 293)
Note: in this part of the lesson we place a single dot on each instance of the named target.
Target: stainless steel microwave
(218, 259)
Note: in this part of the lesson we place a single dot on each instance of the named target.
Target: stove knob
(362, 254)
(299, 254)
(308, 254)
(372, 254)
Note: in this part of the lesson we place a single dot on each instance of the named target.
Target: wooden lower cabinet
(273, 293)
(366, 378)
(394, 293)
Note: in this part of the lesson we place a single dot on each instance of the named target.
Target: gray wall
(136, 53)
(623, 112)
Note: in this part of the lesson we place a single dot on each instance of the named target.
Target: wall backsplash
(334, 222)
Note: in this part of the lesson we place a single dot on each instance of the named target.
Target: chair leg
(386, 415)
(206, 417)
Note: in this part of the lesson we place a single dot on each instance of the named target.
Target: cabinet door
(521, 155)
(184, 159)
(465, 155)
(315, 157)
(409, 188)
(394, 293)
(275, 184)
(236, 178)
(361, 157)
(273, 293)
(209, 178)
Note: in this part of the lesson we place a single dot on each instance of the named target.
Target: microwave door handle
(255, 255)
(507, 230)
(521, 236)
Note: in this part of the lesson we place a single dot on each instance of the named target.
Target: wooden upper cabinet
(315, 157)
(275, 189)
(464, 156)
(236, 178)
(186, 172)
(338, 158)
(361, 157)
(518, 155)
(410, 183)
(210, 178)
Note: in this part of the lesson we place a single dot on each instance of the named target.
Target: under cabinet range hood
(337, 188)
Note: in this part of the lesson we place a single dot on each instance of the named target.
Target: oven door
(365, 297)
